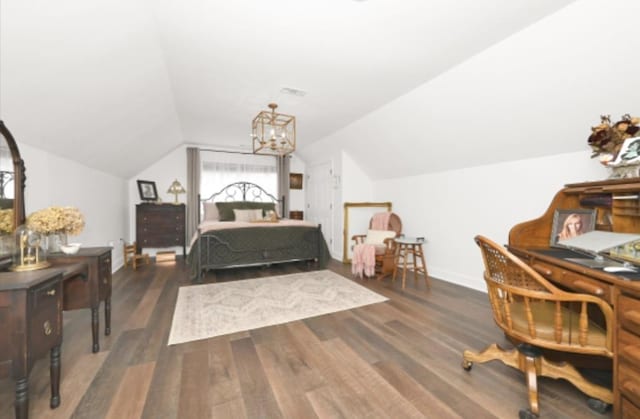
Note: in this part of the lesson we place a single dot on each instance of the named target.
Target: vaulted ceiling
(117, 84)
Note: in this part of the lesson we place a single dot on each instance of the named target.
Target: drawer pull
(589, 288)
(632, 353)
(104, 281)
(47, 328)
(632, 316)
(51, 292)
(542, 270)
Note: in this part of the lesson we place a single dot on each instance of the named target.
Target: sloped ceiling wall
(118, 84)
(87, 80)
(534, 94)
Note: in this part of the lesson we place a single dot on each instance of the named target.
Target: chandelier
(273, 133)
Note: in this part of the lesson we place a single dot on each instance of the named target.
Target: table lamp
(176, 188)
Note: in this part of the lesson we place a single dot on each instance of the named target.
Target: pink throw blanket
(363, 260)
(380, 221)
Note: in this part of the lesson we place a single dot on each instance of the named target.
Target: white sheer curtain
(220, 169)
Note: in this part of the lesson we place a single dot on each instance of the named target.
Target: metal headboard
(243, 191)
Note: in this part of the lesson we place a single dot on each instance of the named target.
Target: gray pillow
(225, 209)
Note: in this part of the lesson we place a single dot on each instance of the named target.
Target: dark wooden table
(88, 291)
(30, 326)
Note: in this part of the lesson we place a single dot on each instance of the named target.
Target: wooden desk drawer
(45, 323)
(628, 410)
(104, 275)
(629, 314)
(573, 281)
(629, 347)
(629, 382)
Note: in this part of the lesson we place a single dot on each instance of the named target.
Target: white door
(320, 199)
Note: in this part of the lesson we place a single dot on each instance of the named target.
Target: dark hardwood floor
(397, 359)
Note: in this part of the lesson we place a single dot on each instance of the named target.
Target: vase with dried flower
(55, 223)
(6, 231)
(617, 145)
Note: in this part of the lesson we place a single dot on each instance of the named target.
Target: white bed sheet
(206, 226)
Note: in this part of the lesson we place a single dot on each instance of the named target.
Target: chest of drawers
(160, 225)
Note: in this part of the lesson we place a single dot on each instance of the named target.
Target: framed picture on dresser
(148, 191)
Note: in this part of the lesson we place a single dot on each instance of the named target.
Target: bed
(234, 233)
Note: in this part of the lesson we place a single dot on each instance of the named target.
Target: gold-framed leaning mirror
(12, 180)
(356, 221)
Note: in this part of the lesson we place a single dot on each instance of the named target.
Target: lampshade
(273, 133)
(176, 188)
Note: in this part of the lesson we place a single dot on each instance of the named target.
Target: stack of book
(166, 256)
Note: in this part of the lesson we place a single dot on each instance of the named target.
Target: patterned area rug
(205, 311)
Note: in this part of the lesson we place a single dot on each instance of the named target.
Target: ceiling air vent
(292, 91)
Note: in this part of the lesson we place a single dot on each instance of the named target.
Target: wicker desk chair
(533, 313)
(385, 252)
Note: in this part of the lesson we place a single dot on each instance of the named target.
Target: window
(220, 169)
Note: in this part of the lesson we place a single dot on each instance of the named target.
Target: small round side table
(406, 246)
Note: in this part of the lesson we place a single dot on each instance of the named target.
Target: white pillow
(210, 212)
(378, 236)
(247, 215)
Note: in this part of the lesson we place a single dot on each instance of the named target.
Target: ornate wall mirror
(11, 193)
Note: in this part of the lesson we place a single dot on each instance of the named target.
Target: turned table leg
(107, 316)
(22, 398)
(95, 329)
(55, 376)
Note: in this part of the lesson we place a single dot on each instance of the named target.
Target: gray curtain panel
(283, 183)
(193, 191)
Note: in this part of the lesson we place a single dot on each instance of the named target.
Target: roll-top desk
(160, 225)
(617, 203)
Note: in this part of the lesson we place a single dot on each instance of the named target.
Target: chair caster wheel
(597, 405)
(526, 414)
(466, 365)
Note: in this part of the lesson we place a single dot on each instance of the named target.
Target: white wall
(356, 186)
(101, 197)
(450, 208)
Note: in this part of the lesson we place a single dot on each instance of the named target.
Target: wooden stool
(406, 246)
(130, 255)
